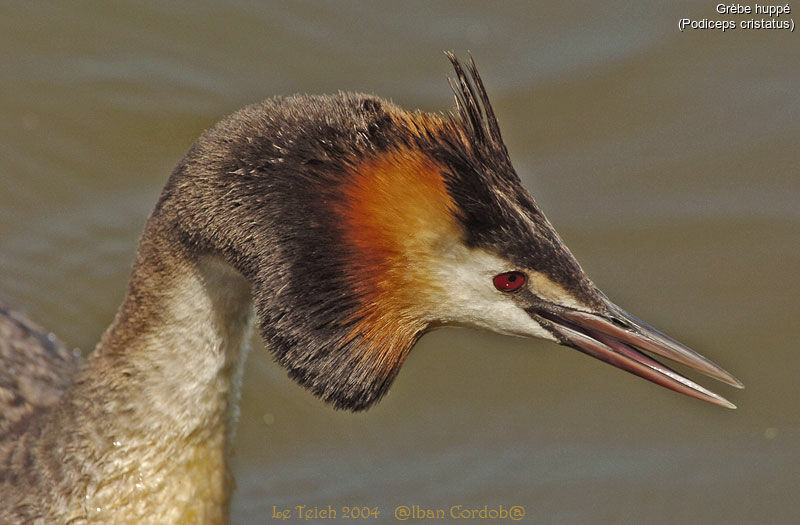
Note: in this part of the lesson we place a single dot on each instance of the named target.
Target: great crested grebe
(352, 227)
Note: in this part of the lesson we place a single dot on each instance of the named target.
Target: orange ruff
(396, 214)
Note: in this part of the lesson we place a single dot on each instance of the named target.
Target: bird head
(363, 226)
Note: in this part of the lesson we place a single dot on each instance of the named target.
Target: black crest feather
(474, 107)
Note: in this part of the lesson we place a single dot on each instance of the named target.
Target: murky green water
(667, 160)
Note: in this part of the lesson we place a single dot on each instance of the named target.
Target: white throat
(204, 327)
(183, 405)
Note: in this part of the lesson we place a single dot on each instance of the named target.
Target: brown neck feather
(150, 419)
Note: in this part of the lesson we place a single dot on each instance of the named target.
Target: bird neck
(170, 369)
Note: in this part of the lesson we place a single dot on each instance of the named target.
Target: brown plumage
(36, 369)
(348, 227)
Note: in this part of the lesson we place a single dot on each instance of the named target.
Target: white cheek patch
(471, 299)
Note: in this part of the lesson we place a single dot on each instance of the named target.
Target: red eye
(509, 281)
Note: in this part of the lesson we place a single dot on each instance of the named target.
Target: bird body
(348, 228)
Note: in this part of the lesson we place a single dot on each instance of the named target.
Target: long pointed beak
(616, 337)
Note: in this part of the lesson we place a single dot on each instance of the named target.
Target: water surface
(668, 161)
